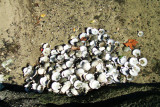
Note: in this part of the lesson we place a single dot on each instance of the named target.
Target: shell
(124, 71)
(56, 76)
(44, 59)
(69, 64)
(94, 31)
(105, 37)
(45, 45)
(143, 61)
(89, 77)
(83, 48)
(84, 54)
(52, 58)
(110, 41)
(56, 87)
(72, 78)
(101, 31)
(66, 73)
(41, 71)
(140, 33)
(94, 84)
(86, 87)
(133, 61)
(44, 81)
(74, 41)
(115, 76)
(27, 71)
(74, 92)
(54, 52)
(102, 78)
(108, 57)
(77, 84)
(82, 35)
(66, 86)
(34, 86)
(40, 88)
(85, 65)
(122, 60)
(136, 52)
(88, 30)
(80, 72)
(46, 51)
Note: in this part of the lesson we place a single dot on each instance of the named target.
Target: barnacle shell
(136, 52)
(94, 84)
(143, 61)
(56, 87)
(66, 86)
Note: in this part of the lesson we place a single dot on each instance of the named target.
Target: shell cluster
(87, 62)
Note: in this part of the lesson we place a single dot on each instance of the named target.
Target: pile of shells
(87, 62)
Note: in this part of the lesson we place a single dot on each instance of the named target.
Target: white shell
(41, 71)
(72, 78)
(69, 63)
(80, 72)
(101, 31)
(140, 33)
(94, 84)
(44, 59)
(77, 84)
(143, 61)
(67, 47)
(100, 37)
(100, 67)
(56, 87)
(105, 37)
(66, 56)
(108, 57)
(102, 78)
(124, 71)
(86, 87)
(85, 65)
(34, 86)
(74, 92)
(136, 52)
(101, 48)
(94, 31)
(45, 45)
(52, 58)
(66, 73)
(92, 43)
(88, 30)
(66, 86)
(82, 35)
(115, 76)
(110, 41)
(73, 41)
(40, 89)
(89, 77)
(133, 73)
(27, 70)
(122, 60)
(60, 57)
(46, 65)
(43, 81)
(56, 76)
(46, 51)
(84, 54)
(83, 48)
(54, 52)
(133, 61)
(96, 51)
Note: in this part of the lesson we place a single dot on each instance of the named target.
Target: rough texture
(22, 31)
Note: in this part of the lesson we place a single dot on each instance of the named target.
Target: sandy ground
(23, 30)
